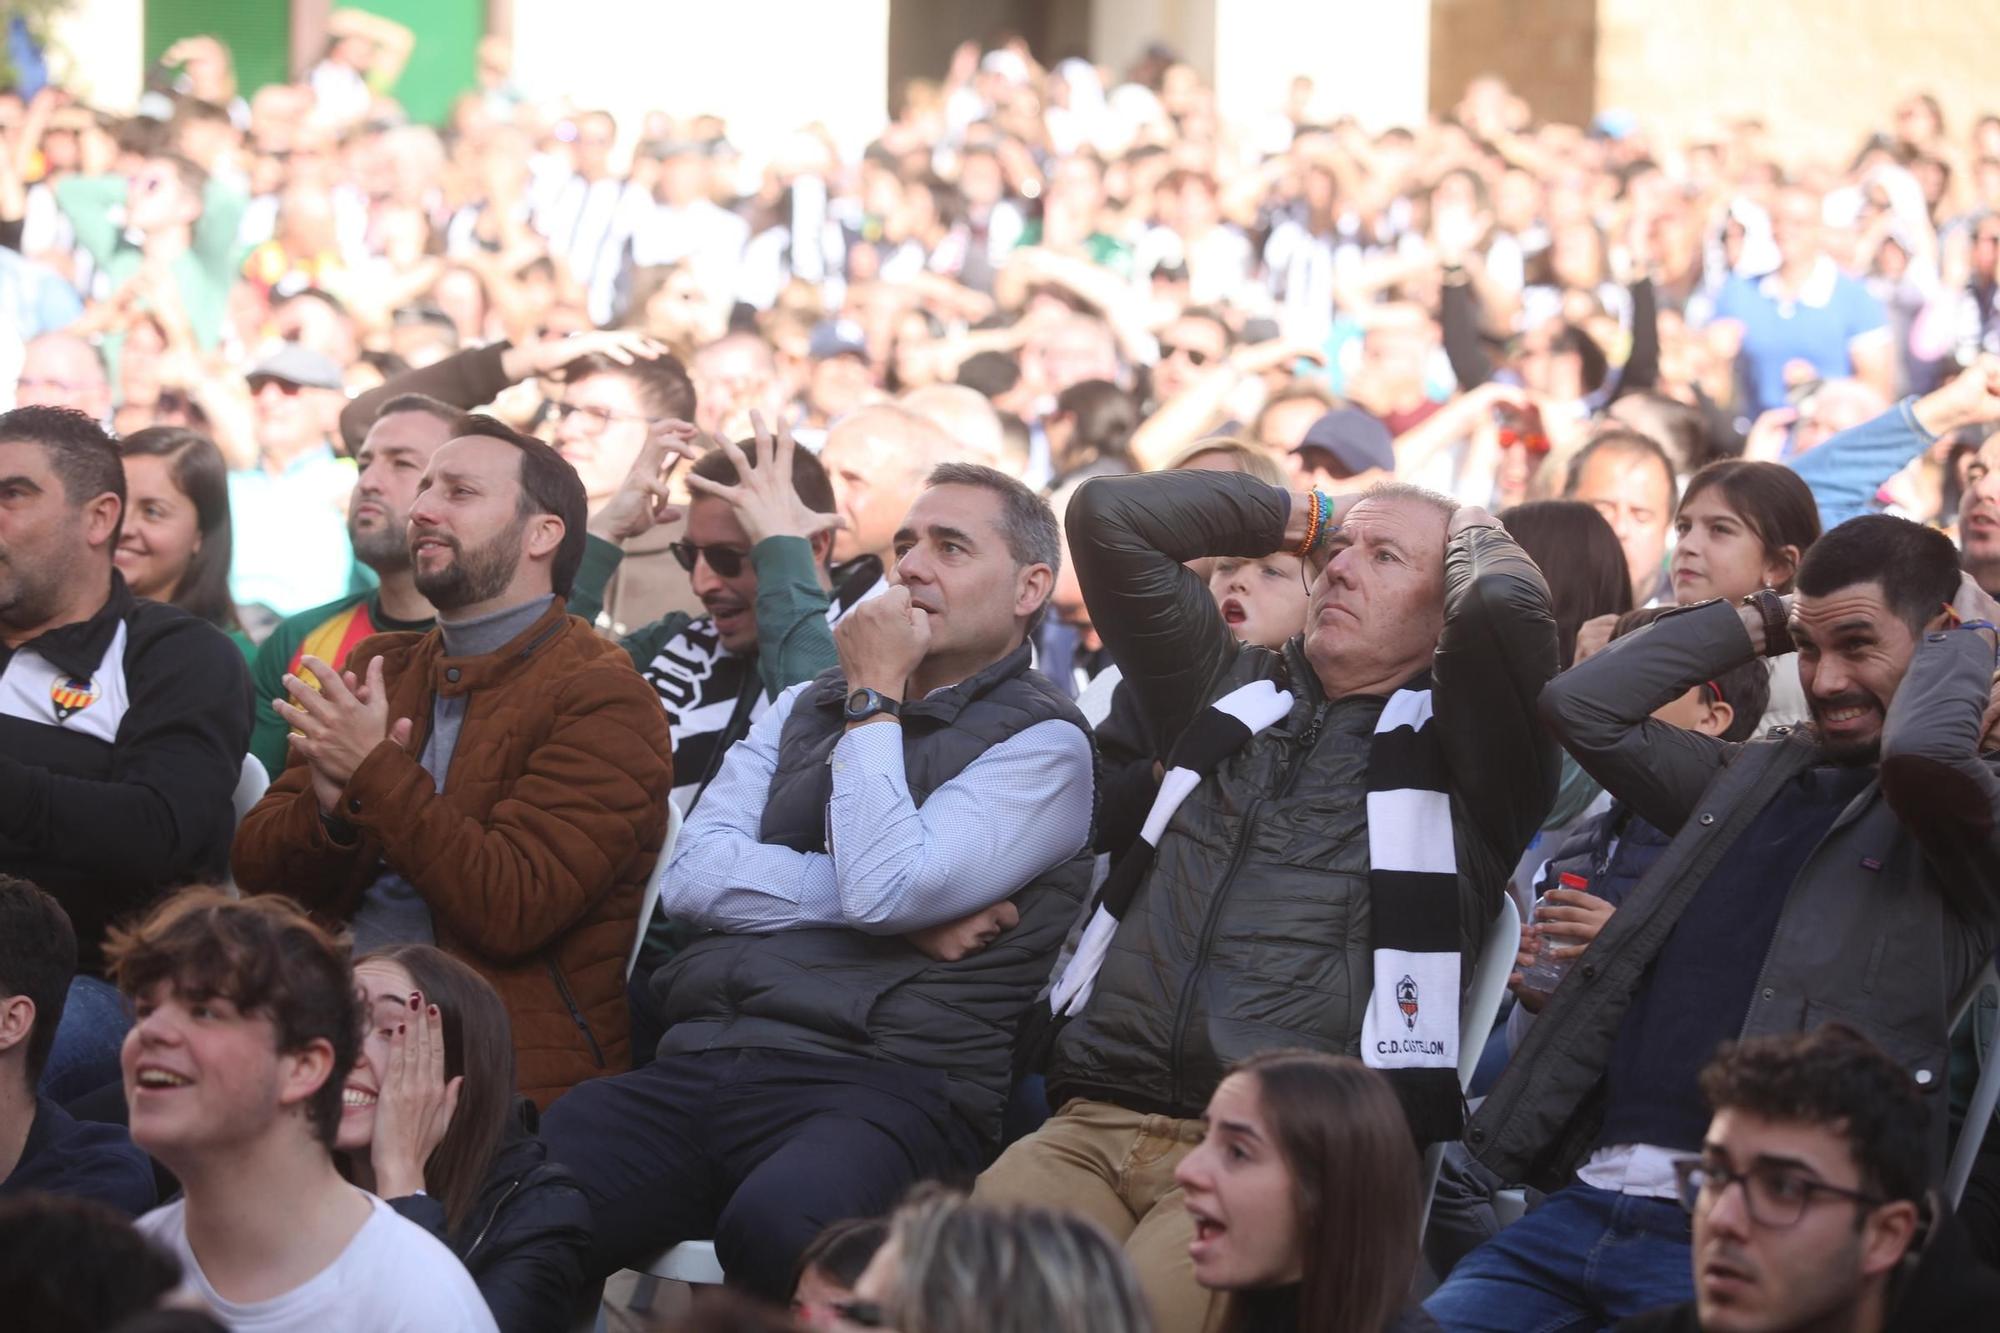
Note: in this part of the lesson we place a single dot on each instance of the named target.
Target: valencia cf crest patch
(71, 695)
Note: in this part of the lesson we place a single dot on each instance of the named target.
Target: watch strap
(1777, 626)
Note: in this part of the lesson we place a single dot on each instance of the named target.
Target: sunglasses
(1196, 357)
(286, 387)
(726, 561)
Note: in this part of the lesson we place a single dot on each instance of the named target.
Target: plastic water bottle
(1547, 970)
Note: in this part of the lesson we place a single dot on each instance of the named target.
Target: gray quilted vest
(842, 992)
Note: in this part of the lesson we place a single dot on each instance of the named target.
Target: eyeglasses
(1196, 357)
(1775, 1196)
(259, 383)
(596, 420)
(726, 561)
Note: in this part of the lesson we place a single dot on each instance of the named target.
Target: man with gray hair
(1332, 836)
(887, 864)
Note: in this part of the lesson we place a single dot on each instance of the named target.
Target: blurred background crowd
(1077, 268)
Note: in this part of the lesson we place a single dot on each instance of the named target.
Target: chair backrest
(1475, 1018)
(651, 897)
(1985, 1093)
(1488, 988)
(251, 784)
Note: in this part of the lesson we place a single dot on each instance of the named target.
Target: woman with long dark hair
(429, 1122)
(174, 543)
(1307, 1198)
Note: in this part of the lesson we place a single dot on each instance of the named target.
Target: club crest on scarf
(71, 695)
(1406, 1000)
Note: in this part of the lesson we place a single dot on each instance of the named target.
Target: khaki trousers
(1116, 1167)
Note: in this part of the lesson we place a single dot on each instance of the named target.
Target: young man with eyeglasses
(1810, 1200)
(611, 393)
(1843, 871)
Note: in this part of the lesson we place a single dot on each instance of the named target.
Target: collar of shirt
(1816, 291)
(79, 646)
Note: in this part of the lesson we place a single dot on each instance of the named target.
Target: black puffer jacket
(1252, 928)
(526, 1240)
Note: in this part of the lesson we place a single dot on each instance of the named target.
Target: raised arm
(1497, 651)
(1602, 709)
(1933, 776)
(1847, 470)
(1130, 538)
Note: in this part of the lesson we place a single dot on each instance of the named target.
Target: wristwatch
(864, 704)
(1777, 626)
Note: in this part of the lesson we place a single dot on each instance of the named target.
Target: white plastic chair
(691, 1263)
(251, 784)
(1476, 1015)
(1985, 1093)
(651, 900)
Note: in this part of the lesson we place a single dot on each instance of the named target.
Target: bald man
(878, 458)
(62, 370)
(968, 418)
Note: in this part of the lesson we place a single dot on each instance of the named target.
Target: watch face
(860, 700)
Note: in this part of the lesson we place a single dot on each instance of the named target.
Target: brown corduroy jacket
(534, 856)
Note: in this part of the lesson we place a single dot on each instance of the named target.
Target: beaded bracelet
(1319, 524)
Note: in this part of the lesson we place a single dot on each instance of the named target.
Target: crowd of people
(953, 719)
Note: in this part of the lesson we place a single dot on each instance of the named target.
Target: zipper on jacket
(562, 989)
(1287, 777)
(491, 1218)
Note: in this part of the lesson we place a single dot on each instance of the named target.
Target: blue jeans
(1585, 1259)
(85, 1055)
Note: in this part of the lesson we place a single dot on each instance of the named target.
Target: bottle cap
(1577, 882)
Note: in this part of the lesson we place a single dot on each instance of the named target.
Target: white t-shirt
(393, 1277)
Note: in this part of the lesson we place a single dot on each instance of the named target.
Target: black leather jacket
(528, 1237)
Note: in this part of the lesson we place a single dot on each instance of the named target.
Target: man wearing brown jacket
(497, 785)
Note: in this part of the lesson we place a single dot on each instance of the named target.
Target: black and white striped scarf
(1410, 1028)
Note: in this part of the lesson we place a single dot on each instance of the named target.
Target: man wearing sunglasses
(289, 507)
(1810, 1203)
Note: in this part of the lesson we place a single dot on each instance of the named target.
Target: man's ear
(1887, 1236)
(1032, 588)
(545, 534)
(100, 518)
(17, 1020)
(822, 548)
(1716, 717)
(303, 1072)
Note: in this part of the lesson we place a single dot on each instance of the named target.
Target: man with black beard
(496, 785)
(1847, 871)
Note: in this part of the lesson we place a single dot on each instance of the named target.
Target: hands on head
(765, 501)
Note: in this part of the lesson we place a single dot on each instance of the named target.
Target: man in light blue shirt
(887, 864)
(1806, 320)
(291, 550)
